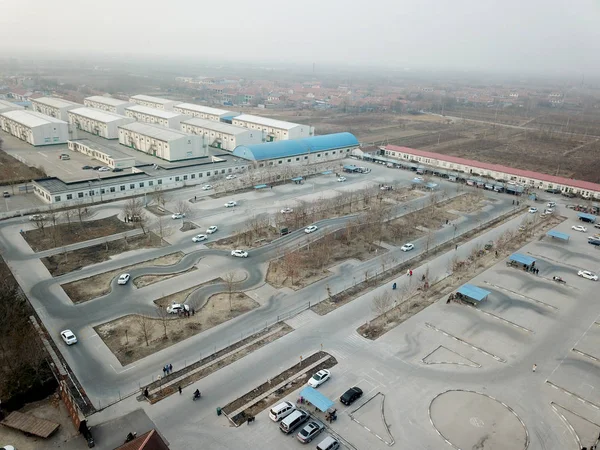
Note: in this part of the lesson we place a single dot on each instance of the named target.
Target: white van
(293, 421)
(328, 443)
(281, 411)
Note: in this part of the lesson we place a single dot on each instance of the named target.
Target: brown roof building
(147, 441)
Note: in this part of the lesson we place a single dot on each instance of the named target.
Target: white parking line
(122, 371)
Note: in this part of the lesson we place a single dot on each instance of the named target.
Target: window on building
(208, 174)
(318, 155)
(279, 162)
(132, 186)
(57, 198)
(290, 160)
(142, 184)
(176, 178)
(122, 187)
(297, 159)
(185, 177)
(112, 189)
(69, 196)
(91, 192)
(150, 183)
(306, 157)
(199, 175)
(102, 191)
(80, 194)
(192, 176)
(159, 182)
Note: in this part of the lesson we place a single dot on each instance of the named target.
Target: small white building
(54, 107)
(164, 143)
(34, 128)
(154, 102)
(274, 130)
(109, 156)
(109, 104)
(204, 112)
(8, 106)
(154, 116)
(101, 123)
(221, 135)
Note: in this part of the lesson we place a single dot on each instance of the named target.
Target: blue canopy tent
(314, 397)
(558, 235)
(298, 180)
(473, 293)
(587, 217)
(261, 186)
(327, 172)
(518, 258)
(350, 168)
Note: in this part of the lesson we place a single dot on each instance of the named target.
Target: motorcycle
(559, 280)
(197, 396)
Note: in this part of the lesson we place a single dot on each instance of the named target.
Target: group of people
(167, 369)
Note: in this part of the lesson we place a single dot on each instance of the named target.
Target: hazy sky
(520, 35)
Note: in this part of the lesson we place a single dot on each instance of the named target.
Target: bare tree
(291, 262)
(146, 325)
(134, 211)
(69, 215)
(163, 316)
(41, 222)
(164, 230)
(159, 197)
(381, 303)
(83, 212)
(183, 207)
(231, 282)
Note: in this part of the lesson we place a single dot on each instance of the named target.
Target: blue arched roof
(282, 149)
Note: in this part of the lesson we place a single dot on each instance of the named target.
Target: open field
(133, 337)
(13, 171)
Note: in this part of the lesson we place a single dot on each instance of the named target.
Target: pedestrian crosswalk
(347, 347)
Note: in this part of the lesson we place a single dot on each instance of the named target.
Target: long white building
(154, 102)
(154, 116)
(203, 112)
(54, 107)
(164, 143)
(274, 130)
(35, 128)
(9, 106)
(101, 123)
(109, 104)
(222, 135)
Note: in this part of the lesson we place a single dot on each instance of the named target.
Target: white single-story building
(34, 128)
(8, 106)
(54, 107)
(169, 119)
(154, 102)
(221, 135)
(274, 130)
(164, 143)
(95, 121)
(204, 112)
(109, 156)
(109, 104)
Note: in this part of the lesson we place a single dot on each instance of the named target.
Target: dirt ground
(13, 171)
(52, 409)
(147, 280)
(98, 285)
(77, 259)
(264, 236)
(132, 346)
(65, 234)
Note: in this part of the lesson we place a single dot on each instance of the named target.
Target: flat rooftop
(96, 114)
(154, 112)
(216, 126)
(111, 152)
(107, 100)
(56, 185)
(31, 119)
(149, 98)
(155, 131)
(55, 102)
(273, 123)
(204, 109)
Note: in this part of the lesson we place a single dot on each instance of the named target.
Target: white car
(178, 216)
(124, 278)
(230, 204)
(68, 337)
(199, 238)
(549, 210)
(239, 253)
(532, 210)
(341, 179)
(579, 228)
(311, 229)
(587, 274)
(319, 378)
(206, 187)
(37, 217)
(211, 229)
(551, 204)
(230, 177)
(104, 169)
(407, 247)
(176, 308)
(287, 211)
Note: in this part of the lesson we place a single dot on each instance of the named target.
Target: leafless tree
(133, 210)
(41, 222)
(291, 262)
(146, 326)
(83, 212)
(381, 303)
(183, 207)
(163, 317)
(69, 215)
(231, 282)
(163, 228)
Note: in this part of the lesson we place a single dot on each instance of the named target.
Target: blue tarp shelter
(298, 179)
(260, 186)
(558, 235)
(350, 168)
(522, 259)
(473, 292)
(327, 172)
(314, 397)
(587, 217)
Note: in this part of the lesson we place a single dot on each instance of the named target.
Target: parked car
(87, 168)
(211, 229)
(293, 421)
(341, 179)
(207, 187)
(310, 431)
(69, 337)
(580, 228)
(407, 247)
(97, 167)
(549, 210)
(587, 274)
(6, 194)
(328, 443)
(178, 216)
(533, 210)
(281, 411)
(104, 169)
(311, 229)
(176, 308)
(230, 177)
(124, 278)
(551, 205)
(553, 191)
(319, 378)
(37, 217)
(385, 188)
(230, 204)
(351, 395)
(117, 169)
(239, 253)
(287, 210)
(199, 238)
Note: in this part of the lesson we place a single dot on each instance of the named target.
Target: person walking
(146, 392)
(165, 371)
(179, 389)
(411, 272)
(534, 368)
(456, 247)
(170, 368)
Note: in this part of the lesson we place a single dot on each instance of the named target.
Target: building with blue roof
(300, 151)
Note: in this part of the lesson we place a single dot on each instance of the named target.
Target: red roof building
(147, 441)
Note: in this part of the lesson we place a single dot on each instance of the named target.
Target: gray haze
(487, 35)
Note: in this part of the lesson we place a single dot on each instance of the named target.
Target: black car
(553, 191)
(351, 395)
(117, 169)
(86, 168)
(97, 167)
